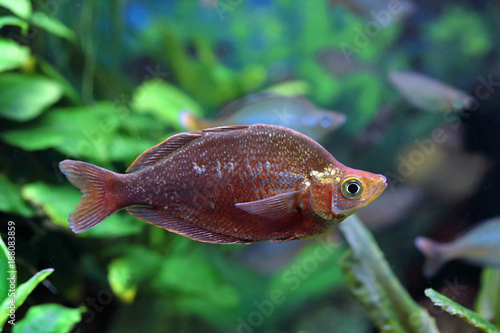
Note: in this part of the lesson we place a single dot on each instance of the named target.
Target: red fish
(236, 184)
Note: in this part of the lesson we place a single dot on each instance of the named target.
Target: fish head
(341, 191)
(326, 121)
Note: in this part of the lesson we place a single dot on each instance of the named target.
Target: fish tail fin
(433, 252)
(192, 122)
(97, 202)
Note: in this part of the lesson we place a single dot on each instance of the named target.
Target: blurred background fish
(372, 9)
(293, 112)
(89, 100)
(480, 246)
(445, 171)
(428, 94)
(338, 64)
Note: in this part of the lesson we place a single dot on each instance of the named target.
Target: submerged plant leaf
(448, 30)
(49, 318)
(290, 88)
(372, 296)
(310, 275)
(12, 55)
(164, 101)
(488, 301)
(121, 279)
(14, 21)
(197, 284)
(58, 202)
(21, 8)
(367, 259)
(139, 264)
(457, 310)
(22, 292)
(24, 97)
(52, 25)
(98, 133)
(4, 268)
(68, 90)
(77, 131)
(11, 200)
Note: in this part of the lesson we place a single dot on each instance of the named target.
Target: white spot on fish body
(198, 169)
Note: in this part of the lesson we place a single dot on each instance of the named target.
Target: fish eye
(352, 188)
(325, 122)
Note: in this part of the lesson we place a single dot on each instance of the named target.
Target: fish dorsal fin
(160, 151)
(224, 129)
(279, 206)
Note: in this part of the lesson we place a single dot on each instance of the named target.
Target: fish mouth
(379, 184)
(383, 181)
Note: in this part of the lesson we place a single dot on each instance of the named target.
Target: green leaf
(370, 278)
(24, 97)
(488, 300)
(15, 21)
(49, 318)
(364, 286)
(291, 88)
(78, 132)
(121, 279)
(136, 266)
(5, 267)
(11, 200)
(59, 201)
(52, 25)
(311, 274)
(197, 283)
(457, 310)
(21, 8)
(12, 55)
(164, 101)
(68, 90)
(22, 292)
(98, 133)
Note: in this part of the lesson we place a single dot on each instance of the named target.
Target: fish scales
(235, 184)
(251, 181)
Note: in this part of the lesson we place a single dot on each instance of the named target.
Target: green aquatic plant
(52, 317)
(458, 310)
(374, 284)
(71, 93)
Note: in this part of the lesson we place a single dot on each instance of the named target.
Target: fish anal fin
(160, 151)
(280, 206)
(163, 219)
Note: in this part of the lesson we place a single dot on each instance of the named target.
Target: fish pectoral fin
(280, 206)
(163, 219)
